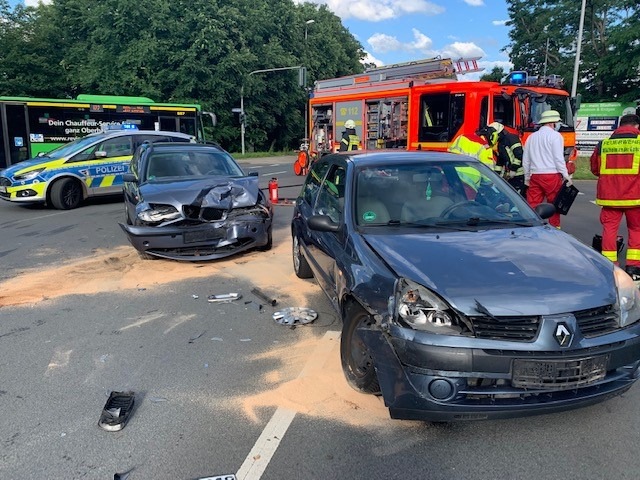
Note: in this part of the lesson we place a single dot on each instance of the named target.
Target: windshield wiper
(438, 225)
(475, 221)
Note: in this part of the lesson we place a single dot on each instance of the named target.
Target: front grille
(208, 214)
(597, 321)
(520, 329)
(5, 182)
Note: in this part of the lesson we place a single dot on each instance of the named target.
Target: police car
(87, 167)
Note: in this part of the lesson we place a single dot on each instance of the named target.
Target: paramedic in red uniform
(616, 163)
(544, 165)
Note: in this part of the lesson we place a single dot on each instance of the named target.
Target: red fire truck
(422, 105)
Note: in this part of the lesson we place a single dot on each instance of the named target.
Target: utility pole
(305, 139)
(574, 86)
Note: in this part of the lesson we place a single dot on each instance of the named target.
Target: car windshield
(189, 164)
(438, 194)
(560, 103)
(73, 147)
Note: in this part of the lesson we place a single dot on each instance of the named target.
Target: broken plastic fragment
(295, 315)
(224, 297)
(192, 339)
(263, 296)
(194, 296)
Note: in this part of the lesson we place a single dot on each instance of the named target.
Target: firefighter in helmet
(350, 139)
(508, 149)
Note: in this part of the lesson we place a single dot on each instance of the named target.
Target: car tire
(300, 264)
(269, 244)
(357, 361)
(66, 194)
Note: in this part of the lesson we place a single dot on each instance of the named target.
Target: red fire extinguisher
(273, 190)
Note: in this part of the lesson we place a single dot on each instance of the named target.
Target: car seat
(371, 211)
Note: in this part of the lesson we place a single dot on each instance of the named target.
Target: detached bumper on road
(201, 242)
(442, 384)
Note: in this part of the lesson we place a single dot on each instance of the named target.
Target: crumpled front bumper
(443, 384)
(206, 241)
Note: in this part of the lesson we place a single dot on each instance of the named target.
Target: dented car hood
(510, 271)
(210, 192)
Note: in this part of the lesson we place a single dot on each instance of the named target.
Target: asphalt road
(221, 388)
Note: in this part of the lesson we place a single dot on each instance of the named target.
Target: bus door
(179, 124)
(14, 133)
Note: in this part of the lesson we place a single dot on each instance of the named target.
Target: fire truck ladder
(428, 69)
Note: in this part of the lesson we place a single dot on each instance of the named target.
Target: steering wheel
(448, 212)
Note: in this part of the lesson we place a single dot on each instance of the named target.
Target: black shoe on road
(634, 272)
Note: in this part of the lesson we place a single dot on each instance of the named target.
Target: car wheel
(356, 359)
(269, 243)
(66, 194)
(300, 265)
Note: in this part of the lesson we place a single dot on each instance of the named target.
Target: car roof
(186, 146)
(120, 133)
(387, 156)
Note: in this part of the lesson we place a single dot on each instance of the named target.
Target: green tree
(496, 75)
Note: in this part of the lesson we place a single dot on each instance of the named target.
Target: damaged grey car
(458, 301)
(193, 202)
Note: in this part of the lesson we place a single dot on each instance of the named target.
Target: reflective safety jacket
(509, 152)
(350, 141)
(616, 163)
(466, 146)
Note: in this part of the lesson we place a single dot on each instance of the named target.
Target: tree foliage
(546, 32)
(495, 75)
(200, 51)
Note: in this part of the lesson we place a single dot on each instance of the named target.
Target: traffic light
(302, 76)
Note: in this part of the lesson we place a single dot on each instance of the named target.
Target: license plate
(3, 189)
(203, 235)
(559, 374)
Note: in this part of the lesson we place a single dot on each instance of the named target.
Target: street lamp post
(243, 117)
(306, 92)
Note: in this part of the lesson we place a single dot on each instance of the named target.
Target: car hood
(17, 167)
(217, 192)
(522, 271)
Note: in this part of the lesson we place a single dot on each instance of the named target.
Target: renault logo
(563, 335)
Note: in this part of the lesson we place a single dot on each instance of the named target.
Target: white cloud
(457, 50)
(34, 3)
(377, 10)
(475, 3)
(499, 22)
(382, 43)
(368, 59)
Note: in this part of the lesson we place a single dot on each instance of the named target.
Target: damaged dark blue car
(458, 300)
(193, 202)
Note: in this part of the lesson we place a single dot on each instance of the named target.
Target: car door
(103, 164)
(327, 247)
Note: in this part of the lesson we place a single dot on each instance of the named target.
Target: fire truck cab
(422, 105)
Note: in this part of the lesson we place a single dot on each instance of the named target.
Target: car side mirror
(545, 210)
(253, 173)
(323, 223)
(129, 177)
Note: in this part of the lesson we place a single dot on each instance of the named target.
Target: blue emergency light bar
(123, 126)
(517, 78)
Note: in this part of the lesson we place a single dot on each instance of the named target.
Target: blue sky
(394, 31)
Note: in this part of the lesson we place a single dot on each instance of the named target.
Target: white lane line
(274, 165)
(273, 173)
(265, 447)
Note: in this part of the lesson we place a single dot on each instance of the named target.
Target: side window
(503, 111)
(484, 112)
(140, 139)
(331, 195)
(116, 147)
(312, 185)
(441, 115)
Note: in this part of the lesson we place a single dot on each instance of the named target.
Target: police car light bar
(124, 126)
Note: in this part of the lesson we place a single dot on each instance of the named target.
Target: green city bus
(30, 126)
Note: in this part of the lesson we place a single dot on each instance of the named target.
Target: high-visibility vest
(353, 143)
(619, 182)
(465, 146)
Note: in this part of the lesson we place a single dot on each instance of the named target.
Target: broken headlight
(628, 297)
(421, 309)
(159, 213)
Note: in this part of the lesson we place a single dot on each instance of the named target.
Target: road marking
(265, 447)
(275, 165)
(273, 173)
